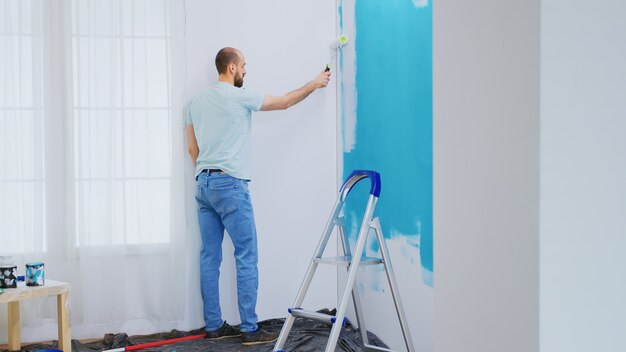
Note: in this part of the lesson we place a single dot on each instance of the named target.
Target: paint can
(8, 276)
(35, 275)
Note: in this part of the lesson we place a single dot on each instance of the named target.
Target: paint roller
(336, 46)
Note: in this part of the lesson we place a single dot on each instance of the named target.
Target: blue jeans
(224, 203)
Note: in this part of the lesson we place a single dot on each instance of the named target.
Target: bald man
(218, 131)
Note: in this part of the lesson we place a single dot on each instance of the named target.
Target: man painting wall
(218, 131)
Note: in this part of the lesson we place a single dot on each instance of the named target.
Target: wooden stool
(13, 296)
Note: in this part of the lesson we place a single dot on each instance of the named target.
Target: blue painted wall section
(393, 46)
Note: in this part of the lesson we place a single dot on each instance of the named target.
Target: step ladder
(352, 263)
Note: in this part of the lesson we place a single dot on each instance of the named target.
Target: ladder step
(299, 312)
(346, 260)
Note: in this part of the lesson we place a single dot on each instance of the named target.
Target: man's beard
(239, 81)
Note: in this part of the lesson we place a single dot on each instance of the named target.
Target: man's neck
(227, 79)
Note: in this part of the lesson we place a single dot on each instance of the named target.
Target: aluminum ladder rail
(352, 263)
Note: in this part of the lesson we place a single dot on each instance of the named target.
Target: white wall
(583, 176)
(294, 184)
(486, 175)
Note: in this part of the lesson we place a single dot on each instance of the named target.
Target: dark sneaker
(224, 332)
(257, 337)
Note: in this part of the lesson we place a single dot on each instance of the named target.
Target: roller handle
(327, 68)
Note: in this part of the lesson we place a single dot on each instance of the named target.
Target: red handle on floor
(164, 342)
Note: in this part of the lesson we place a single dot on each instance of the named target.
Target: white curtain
(92, 160)
(21, 128)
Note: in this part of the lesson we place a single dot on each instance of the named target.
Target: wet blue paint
(393, 45)
(340, 9)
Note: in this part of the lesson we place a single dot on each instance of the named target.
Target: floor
(306, 336)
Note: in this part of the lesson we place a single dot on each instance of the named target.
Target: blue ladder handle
(361, 174)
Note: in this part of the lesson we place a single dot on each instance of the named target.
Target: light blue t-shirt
(222, 117)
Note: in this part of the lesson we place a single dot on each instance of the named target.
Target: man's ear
(232, 67)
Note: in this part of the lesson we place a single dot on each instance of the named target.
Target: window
(22, 181)
(113, 157)
(121, 119)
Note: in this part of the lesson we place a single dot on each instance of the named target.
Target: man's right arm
(192, 143)
(294, 97)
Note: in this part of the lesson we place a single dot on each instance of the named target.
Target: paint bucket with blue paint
(35, 274)
(8, 276)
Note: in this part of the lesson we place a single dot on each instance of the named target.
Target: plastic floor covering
(306, 336)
